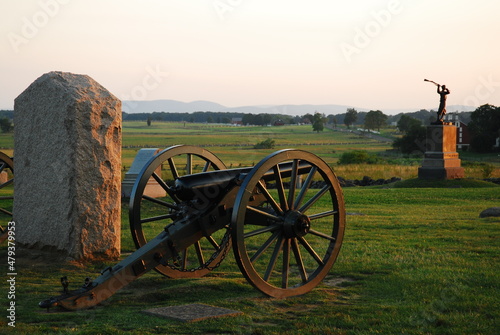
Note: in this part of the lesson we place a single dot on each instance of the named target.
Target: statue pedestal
(441, 159)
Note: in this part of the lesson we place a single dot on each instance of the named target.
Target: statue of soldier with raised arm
(443, 91)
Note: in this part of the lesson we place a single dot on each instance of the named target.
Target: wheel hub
(296, 224)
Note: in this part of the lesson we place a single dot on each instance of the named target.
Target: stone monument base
(441, 159)
(441, 173)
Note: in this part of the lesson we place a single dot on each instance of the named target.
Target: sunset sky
(370, 54)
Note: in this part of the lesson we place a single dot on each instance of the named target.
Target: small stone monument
(68, 159)
(441, 158)
(153, 189)
(490, 212)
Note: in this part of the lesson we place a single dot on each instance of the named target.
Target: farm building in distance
(463, 135)
(237, 121)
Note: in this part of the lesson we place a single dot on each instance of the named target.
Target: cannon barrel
(187, 187)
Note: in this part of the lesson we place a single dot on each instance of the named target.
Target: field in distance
(234, 145)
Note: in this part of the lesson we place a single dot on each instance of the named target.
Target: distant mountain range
(174, 106)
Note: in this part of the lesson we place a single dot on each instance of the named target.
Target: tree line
(211, 117)
(483, 123)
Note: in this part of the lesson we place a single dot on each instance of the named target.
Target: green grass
(415, 261)
(459, 183)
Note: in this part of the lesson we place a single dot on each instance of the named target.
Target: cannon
(284, 219)
(6, 193)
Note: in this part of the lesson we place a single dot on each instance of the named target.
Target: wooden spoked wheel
(149, 215)
(288, 225)
(6, 193)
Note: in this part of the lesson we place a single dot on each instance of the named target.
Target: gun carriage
(284, 218)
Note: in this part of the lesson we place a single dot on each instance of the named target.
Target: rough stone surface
(490, 212)
(68, 159)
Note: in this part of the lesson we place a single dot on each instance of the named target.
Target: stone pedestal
(68, 159)
(441, 159)
(153, 189)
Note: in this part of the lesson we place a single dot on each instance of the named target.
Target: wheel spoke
(322, 215)
(320, 234)
(293, 184)
(206, 166)
(184, 259)
(157, 218)
(311, 251)
(213, 242)
(5, 211)
(264, 247)
(315, 198)
(2, 166)
(274, 258)
(280, 188)
(199, 253)
(7, 183)
(163, 184)
(256, 232)
(173, 168)
(286, 263)
(189, 164)
(270, 198)
(305, 187)
(160, 202)
(262, 213)
(298, 260)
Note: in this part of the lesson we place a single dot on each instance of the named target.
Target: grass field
(234, 146)
(414, 260)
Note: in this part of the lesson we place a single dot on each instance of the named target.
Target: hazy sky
(368, 53)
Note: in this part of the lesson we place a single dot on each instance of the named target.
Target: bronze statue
(443, 92)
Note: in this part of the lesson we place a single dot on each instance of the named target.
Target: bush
(267, 144)
(487, 169)
(358, 157)
(413, 142)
